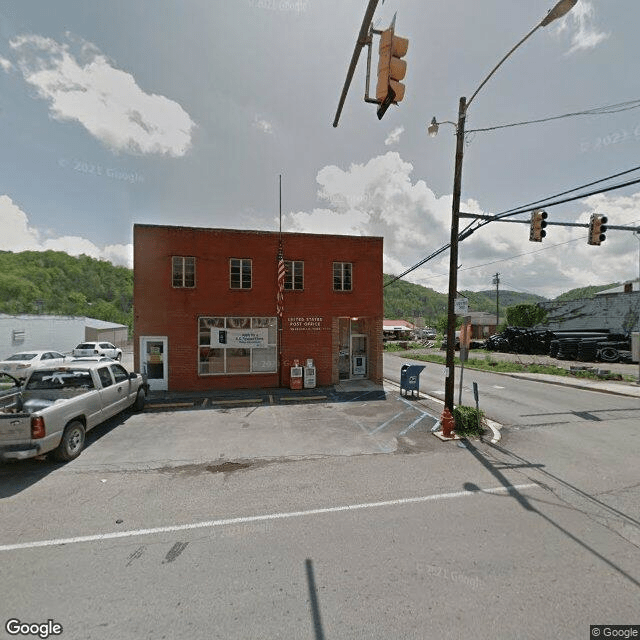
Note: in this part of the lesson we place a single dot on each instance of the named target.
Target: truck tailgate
(14, 427)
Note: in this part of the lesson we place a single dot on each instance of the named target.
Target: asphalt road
(535, 537)
(518, 403)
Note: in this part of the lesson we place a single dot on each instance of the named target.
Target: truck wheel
(72, 442)
(138, 405)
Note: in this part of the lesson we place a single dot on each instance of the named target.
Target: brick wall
(308, 320)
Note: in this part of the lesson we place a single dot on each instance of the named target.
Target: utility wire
(563, 193)
(572, 198)
(596, 111)
(469, 229)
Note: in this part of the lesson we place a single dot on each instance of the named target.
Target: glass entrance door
(359, 365)
(153, 361)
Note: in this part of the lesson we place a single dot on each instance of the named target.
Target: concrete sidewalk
(604, 386)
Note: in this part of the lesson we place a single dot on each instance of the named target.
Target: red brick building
(206, 307)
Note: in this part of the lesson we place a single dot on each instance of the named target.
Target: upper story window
(293, 275)
(184, 271)
(342, 276)
(240, 273)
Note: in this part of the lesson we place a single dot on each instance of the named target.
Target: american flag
(281, 273)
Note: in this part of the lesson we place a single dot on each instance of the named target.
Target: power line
(469, 229)
(563, 193)
(596, 111)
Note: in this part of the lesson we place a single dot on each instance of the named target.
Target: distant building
(206, 305)
(397, 329)
(628, 287)
(101, 330)
(483, 324)
(616, 310)
(59, 333)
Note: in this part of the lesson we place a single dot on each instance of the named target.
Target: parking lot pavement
(280, 424)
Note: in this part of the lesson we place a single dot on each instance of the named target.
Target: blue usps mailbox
(410, 378)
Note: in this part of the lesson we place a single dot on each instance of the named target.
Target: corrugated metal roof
(94, 323)
(396, 325)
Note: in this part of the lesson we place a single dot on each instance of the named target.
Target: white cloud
(579, 23)
(5, 64)
(85, 87)
(262, 125)
(19, 236)
(394, 136)
(379, 199)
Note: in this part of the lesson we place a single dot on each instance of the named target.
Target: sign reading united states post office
(239, 338)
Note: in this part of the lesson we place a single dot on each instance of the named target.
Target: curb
(437, 427)
(584, 387)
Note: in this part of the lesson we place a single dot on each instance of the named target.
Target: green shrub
(466, 419)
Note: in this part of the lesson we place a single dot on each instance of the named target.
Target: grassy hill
(585, 292)
(406, 300)
(53, 282)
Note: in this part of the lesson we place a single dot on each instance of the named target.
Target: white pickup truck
(56, 406)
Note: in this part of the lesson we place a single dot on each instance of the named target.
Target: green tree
(526, 315)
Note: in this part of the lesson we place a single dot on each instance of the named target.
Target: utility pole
(449, 382)
(496, 281)
(561, 8)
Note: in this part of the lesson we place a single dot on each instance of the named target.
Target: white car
(20, 365)
(97, 349)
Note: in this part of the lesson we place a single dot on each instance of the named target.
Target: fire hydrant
(448, 423)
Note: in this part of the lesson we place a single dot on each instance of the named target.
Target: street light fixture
(560, 9)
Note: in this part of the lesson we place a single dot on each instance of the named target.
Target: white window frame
(179, 267)
(206, 324)
(294, 275)
(343, 271)
(242, 263)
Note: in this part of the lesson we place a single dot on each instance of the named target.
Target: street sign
(461, 306)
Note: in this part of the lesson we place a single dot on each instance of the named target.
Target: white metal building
(58, 333)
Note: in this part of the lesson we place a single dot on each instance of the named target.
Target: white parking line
(261, 518)
(388, 422)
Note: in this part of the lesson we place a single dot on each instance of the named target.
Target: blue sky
(186, 112)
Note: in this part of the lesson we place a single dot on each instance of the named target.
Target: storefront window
(237, 345)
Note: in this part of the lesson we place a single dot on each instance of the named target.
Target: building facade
(30, 332)
(218, 309)
(616, 311)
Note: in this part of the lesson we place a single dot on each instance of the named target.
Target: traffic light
(597, 227)
(391, 69)
(537, 232)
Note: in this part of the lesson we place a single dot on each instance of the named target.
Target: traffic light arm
(360, 42)
(369, 42)
(585, 225)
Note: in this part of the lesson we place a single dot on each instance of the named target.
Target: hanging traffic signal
(537, 232)
(597, 227)
(391, 69)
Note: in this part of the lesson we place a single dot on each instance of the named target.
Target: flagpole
(279, 284)
(280, 178)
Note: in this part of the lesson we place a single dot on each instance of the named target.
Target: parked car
(98, 349)
(429, 334)
(22, 364)
(56, 406)
(90, 359)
